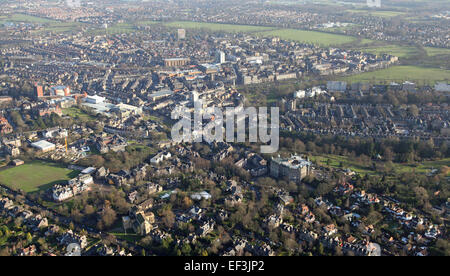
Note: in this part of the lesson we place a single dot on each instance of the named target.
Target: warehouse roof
(43, 145)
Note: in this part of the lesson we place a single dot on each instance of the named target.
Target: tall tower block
(38, 91)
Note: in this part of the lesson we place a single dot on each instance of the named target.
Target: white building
(220, 56)
(315, 91)
(160, 157)
(194, 96)
(128, 109)
(43, 146)
(202, 195)
(94, 99)
(181, 34)
(442, 87)
(300, 94)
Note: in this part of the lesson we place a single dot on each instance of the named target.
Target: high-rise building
(38, 91)
(181, 34)
(220, 57)
(67, 91)
(194, 96)
(292, 105)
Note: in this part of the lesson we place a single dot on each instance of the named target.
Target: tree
(321, 249)
(4, 252)
(421, 195)
(29, 238)
(324, 188)
(186, 249)
(7, 159)
(76, 215)
(373, 217)
(338, 251)
(168, 218)
(441, 248)
(413, 110)
(89, 210)
(108, 217)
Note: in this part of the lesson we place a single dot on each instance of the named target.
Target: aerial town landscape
(89, 165)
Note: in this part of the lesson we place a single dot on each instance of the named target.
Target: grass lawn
(395, 50)
(120, 28)
(140, 147)
(18, 17)
(436, 51)
(348, 163)
(336, 160)
(77, 113)
(231, 28)
(310, 37)
(147, 22)
(35, 176)
(385, 14)
(425, 167)
(402, 73)
(49, 25)
(152, 118)
(62, 27)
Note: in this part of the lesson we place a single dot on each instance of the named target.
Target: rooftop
(43, 144)
(294, 162)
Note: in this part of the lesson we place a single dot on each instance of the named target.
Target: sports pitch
(35, 176)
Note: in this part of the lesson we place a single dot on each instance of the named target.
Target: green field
(394, 50)
(147, 22)
(401, 51)
(385, 14)
(231, 28)
(425, 167)
(62, 27)
(77, 113)
(35, 176)
(311, 37)
(348, 163)
(336, 160)
(402, 73)
(48, 25)
(436, 51)
(18, 17)
(120, 28)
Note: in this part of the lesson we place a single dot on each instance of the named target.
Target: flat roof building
(160, 95)
(43, 146)
(126, 110)
(94, 99)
